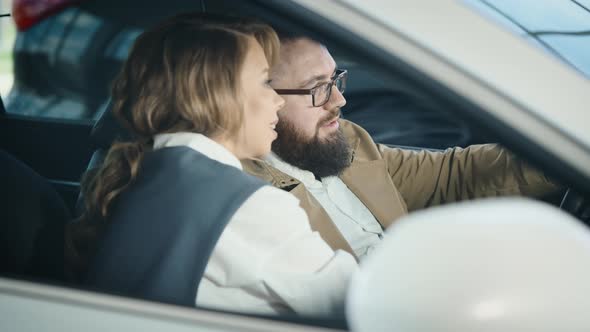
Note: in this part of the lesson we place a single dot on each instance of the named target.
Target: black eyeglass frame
(340, 75)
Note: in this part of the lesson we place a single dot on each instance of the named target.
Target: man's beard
(322, 157)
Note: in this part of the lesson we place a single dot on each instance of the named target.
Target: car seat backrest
(106, 130)
(32, 220)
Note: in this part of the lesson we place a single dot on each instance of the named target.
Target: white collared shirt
(352, 218)
(267, 259)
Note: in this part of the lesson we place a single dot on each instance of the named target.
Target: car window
(562, 28)
(121, 44)
(7, 37)
(65, 63)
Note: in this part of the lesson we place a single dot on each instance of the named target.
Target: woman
(195, 93)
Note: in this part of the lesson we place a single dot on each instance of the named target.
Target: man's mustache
(325, 120)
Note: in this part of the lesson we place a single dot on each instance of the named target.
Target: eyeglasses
(321, 93)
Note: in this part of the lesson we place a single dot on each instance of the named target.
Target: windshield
(560, 27)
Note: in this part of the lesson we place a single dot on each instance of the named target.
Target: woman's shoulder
(185, 161)
(271, 201)
(273, 194)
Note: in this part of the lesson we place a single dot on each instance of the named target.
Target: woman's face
(261, 104)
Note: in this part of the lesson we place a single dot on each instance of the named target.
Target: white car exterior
(447, 42)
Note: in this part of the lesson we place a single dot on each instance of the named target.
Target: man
(353, 188)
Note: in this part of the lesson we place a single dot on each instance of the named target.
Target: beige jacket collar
(365, 178)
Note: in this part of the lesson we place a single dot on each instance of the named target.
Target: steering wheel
(577, 205)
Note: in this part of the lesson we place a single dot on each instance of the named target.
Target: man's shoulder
(353, 131)
(257, 167)
(360, 141)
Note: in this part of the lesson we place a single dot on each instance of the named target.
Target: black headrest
(107, 129)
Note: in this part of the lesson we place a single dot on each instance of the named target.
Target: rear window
(64, 65)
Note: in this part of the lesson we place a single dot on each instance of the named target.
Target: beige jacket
(392, 181)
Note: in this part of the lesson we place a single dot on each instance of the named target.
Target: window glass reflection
(534, 15)
(560, 27)
(576, 50)
(80, 34)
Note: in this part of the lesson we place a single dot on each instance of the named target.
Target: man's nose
(336, 100)
(279, 101)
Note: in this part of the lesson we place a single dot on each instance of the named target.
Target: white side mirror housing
(508, 264)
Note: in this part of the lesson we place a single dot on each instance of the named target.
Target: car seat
(33, 218)
(105, 131)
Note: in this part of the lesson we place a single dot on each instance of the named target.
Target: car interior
(61, 87)
(57, 124)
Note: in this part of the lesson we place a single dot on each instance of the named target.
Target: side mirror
(509, 264)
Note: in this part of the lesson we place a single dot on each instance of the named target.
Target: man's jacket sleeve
(427, 178)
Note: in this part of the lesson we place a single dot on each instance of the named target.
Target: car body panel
(26, 306)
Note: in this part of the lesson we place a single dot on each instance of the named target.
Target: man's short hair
(289, 35)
